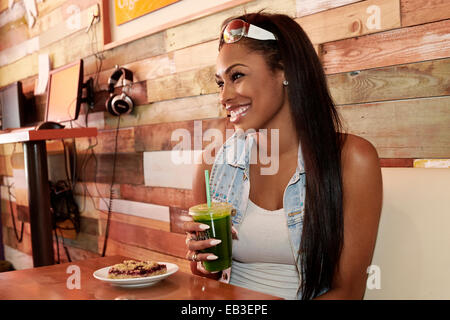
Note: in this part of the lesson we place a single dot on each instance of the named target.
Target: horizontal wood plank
(91, 120)
(165, 136)
(184, 84)
(99, 168)
(125, 56)
(106, 141)
(412, 44)
(157, 195)
(351, 21)
(138, 209)
(133, 220)
(196, 57)
(96, 190)
(152, 239)
(18, 51)
(13, 33)
(307, 7)
(396, 163)
(45, 7)
(415, 80)
(23, 68)
(416, 12)
(416, 128)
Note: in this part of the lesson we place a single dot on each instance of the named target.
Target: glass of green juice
(218, 218)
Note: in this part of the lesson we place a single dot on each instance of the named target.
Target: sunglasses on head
(237, 28)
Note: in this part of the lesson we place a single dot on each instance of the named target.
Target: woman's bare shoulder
(358, 153)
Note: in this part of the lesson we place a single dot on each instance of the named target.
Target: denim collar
(238, 148)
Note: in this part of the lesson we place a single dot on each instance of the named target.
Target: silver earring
(285, 83)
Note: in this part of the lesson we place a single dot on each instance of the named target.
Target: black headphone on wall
(121, 103)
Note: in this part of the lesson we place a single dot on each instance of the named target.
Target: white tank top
(262, 256)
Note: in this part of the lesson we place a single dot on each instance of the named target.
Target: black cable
(67, 253)
(74, 176)
(84, 163)
(111, 189)
(86, 159)
(66, 250)
(87, 115)
(18, 238)
(67, 167)
(71, 178)
(57, 247)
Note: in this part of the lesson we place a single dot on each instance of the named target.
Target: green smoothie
(218, 218)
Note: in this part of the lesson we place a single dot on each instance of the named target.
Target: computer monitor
(64, 96)
(12, 101)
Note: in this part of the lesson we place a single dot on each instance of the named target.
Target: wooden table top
(29, 134)
(51, 283)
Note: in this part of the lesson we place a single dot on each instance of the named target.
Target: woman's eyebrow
(227, 70)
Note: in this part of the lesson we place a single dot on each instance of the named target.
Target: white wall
(413, 244)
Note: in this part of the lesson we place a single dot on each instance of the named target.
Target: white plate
(102, 274)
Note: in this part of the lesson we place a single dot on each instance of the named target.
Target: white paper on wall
(44, 69)
(31, 12)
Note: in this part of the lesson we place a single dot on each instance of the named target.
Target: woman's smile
(238, 112)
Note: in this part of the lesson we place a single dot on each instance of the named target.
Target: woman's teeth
(238, 113)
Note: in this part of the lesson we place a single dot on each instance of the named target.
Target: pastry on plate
(136, 269)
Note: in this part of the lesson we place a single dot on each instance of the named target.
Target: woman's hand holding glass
(194, 246)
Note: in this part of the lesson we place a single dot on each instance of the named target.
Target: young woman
(308, 229)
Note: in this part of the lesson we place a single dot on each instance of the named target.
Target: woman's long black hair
(318, 128)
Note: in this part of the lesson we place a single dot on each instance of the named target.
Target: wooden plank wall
(387, 64)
